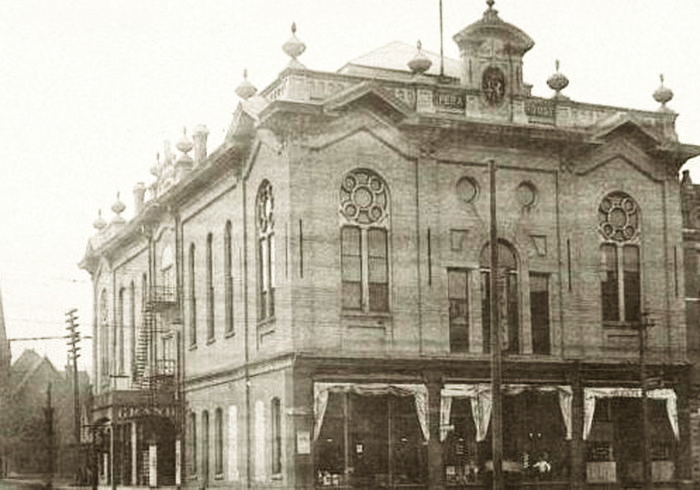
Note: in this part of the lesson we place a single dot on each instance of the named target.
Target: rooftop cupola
(118, 208)
(492, 56)
(99, 223)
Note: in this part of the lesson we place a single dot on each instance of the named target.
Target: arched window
(104, 336)
(192, 295)
(193, 443)
(205, 445)
(228, 278)
(507, 282)
(120, 332)
(620, 280)
(218, 442)
(276, 429)
(266, 251)
(132, 326)
(364, 251)
(210, 288)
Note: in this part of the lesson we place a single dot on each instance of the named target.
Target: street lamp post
(642, 328)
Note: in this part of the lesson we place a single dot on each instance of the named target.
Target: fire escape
(155, 368)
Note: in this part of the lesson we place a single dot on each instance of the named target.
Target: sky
(90, 89)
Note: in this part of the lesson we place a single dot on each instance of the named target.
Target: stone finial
(185, 145)
(663, 95)
(558, 82)
(686, 181)
(294, 48)
(420, 62)
(246, 89)
(118, 208)
(99, 222)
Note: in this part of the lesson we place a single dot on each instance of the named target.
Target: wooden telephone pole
(496, 361)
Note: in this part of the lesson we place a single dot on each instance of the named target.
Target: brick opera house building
(307, 305)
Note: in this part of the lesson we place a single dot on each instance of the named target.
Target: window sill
(266, 324)
(229, 334)
(622, 325)
(276, 477)
(192, 347)
(219, 476)
(211, 340)
(370, 315)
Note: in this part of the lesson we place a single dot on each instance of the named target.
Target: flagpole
(496, 368)
(442, 56)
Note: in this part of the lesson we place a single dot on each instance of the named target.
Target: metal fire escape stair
(144, 344)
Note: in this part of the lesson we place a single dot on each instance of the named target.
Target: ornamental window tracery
(265, 205)
(364, 211)
(620, 278)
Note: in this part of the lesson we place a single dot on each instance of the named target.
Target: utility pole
(73, 339)
(48, 417)
(496, 361)
(642, 328)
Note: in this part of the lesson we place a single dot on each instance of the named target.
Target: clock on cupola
(492, 59)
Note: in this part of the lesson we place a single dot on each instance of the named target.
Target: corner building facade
(329, 263)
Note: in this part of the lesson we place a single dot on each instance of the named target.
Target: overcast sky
(90, 89)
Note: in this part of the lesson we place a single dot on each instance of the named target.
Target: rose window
(363, 197)
(618, 217)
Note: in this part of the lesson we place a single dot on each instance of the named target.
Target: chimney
(139, 192)
(199, 135)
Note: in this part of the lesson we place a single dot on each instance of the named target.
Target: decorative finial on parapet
(663, 95)
(155, 168)
(246, 89)
(294, 48)
(118, 208)
(558, 82)
(420, 62)
(99, 222)
(490, 4)
(185, 145)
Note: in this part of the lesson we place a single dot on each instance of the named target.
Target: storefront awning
(480, 397)
(418, 391)
(590, 395)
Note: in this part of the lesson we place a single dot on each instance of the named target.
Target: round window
(467, 190)
(526, 194)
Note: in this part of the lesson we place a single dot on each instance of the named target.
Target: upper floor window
(167, 267)
(228, 278)
(508, 304)
(210, 288)
(120, 333)
(192, 295)
(364, 211)
(104, 335)
(266, 251)
(218, 442)
(458, 294)
(620, 279)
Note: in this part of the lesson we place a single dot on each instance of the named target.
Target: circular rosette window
(618, 217)
(467, 189)
(363, 197)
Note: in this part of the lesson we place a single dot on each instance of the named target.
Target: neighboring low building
(309, 305)
(32, 377)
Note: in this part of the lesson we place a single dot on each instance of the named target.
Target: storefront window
(534, 440)
(370, 441)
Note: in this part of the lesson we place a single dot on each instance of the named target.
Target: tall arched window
(205, 445)
(507, 282)
(104, 336)
(228, 277)
(620, 280)
(266, 251)
(193, 443)
(364, 251)
(192, 295)
(120, 331)
(132, 327)
(210, 288)
(218, 442)
(276, 429)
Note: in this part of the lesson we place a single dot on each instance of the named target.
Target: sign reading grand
(138, 411)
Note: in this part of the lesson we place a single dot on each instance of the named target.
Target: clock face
(493, 85)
